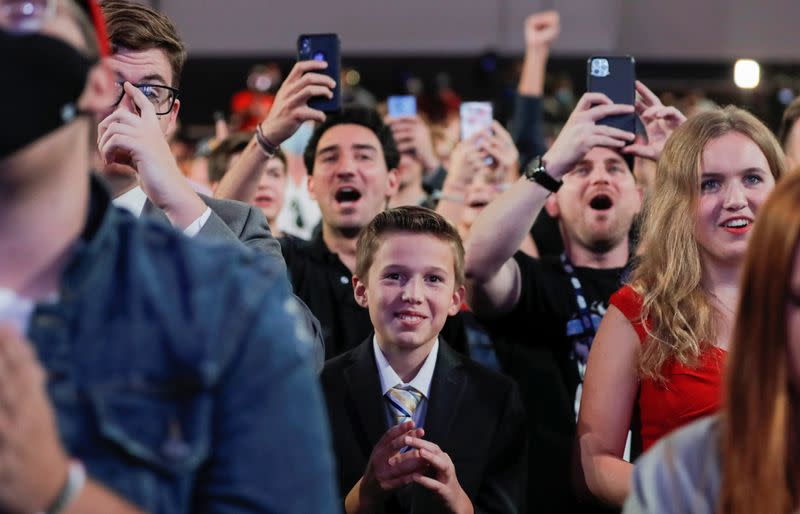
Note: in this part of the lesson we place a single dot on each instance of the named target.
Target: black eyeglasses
(162, 97)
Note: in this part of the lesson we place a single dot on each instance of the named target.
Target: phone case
(475, 116)
(323, 47)
(614, 76)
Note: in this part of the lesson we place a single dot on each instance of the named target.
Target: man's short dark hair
(219, 161)
(407, 219)
(136, 26)
(790, 115)
(355, 115)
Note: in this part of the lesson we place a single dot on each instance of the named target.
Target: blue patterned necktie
(403, 401)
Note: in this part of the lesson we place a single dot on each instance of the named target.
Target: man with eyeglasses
(147, 58)
(129, 382)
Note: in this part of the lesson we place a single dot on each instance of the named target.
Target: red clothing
(686, 394)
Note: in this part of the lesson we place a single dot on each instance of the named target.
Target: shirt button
(344, 280)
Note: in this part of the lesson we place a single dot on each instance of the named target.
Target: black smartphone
(614, 76)
(323, 47)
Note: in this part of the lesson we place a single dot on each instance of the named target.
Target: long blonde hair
(758, 432)
(679, 313)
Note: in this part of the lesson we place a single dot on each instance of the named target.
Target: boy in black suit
(455, 440)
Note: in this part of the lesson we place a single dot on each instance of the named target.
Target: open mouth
(601, 203)
(478, 204)
(347, 195)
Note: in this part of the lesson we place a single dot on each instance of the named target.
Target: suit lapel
(364, 389)
(153, 212)
(447, 389)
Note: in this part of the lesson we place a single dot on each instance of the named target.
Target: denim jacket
(180, 375)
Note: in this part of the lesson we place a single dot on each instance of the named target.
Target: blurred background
(451, 50)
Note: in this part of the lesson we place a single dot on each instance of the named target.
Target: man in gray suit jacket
(147, 59)
(136, 159)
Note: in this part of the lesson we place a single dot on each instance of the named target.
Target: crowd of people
(356, 312)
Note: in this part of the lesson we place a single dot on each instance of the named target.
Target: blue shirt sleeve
(272, 450)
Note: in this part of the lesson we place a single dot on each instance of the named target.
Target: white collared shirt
(422, 382)
(135, 199)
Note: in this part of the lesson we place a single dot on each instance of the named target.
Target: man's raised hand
(290, 109)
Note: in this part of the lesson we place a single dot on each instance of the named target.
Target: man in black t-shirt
(352, 164)
(542, 313)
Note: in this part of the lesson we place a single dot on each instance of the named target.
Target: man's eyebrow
(364, 146)
(153, 77)
(147, 79)
(327, 149)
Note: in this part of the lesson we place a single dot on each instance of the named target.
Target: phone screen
(614, 76)
(475, 116)
(401, 105)
(323, 47)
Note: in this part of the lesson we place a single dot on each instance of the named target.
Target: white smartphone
(475, 116)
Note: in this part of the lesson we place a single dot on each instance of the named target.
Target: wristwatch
(536, 172)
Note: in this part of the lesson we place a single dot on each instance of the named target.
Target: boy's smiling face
(410, 289)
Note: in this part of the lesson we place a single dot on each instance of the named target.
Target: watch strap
(536, 172)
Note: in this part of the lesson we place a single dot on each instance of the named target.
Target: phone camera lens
(305, 46)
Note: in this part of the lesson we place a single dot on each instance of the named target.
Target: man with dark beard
(542, 313)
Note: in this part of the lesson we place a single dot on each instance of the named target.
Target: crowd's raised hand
(659, 122)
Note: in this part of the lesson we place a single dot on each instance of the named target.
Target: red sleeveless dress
(685, 395)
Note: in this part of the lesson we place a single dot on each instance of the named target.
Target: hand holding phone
(582, 132)
(291, 106)
(323, 47)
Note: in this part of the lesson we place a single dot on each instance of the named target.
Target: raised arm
(609, 394)
(541, 29)
(289, 111)
(501, 227)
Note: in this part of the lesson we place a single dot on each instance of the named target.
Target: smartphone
(323, 47)
(614, 76)
(401, 105)
(475, 116)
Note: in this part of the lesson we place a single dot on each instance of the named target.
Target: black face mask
(43, 78)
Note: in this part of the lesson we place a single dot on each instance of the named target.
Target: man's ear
(360, 292)
(311, 192)
(551, 205)
(458, 300)
(640, 193)
(172, 117)
(392, 183)
(100, 92)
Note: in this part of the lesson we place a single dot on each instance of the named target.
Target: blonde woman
(661, 346)
(747, 459)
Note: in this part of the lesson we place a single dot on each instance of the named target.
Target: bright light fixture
(746, 73)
